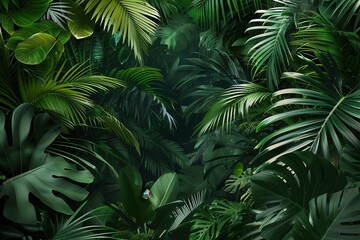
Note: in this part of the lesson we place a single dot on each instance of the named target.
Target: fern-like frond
(180, 214)
(344, 14)
(234, 104)
(98, 116)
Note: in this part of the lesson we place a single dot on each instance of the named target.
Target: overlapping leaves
(28, 168)
(134, 19)
(321, 115)
(284, 189)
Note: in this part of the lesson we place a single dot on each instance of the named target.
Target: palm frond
(59, 13)
(8, 97)
(180, 214)
(317, 35)
(271, 51)
(326, 116)
(79, 226)
(66, 94)
(234, 104)
(344, 14)
(135, 20)
(210, 13)
(167, 8)
(101, 117)
(234, 184)
(217, 219)
(145, 98)
(159, 154)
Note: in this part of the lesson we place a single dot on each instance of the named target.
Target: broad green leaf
(35, 49)
(179, 34)
(80, 24)
(45, 26)
(130, 184)
(29, 169)
(164, 190)
(238, 169)
(29, 12)
(43, 182)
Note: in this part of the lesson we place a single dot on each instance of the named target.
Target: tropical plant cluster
(180, 119)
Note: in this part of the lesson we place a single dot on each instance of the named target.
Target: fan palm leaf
(135, 20)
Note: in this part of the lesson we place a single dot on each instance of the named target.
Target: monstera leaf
(28, 169)
(283, 190)
(332, 217)
(43, 182)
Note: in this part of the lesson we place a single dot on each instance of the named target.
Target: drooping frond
(233, 104)
(67, 94)
(135, 20)
(271, 51)
(210, 13)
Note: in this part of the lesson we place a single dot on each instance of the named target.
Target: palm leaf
(233, 104)
(211, 12)
(67, 95)
(181, 213)
(217, 219)
(326, 116)
(271, 51)
(344, 14)
(166, 8)
(317, 35)
(79, 226)
(134, 19)
(145, 99)
(59, 13)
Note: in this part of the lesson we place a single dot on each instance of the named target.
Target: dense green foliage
(180, 119)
